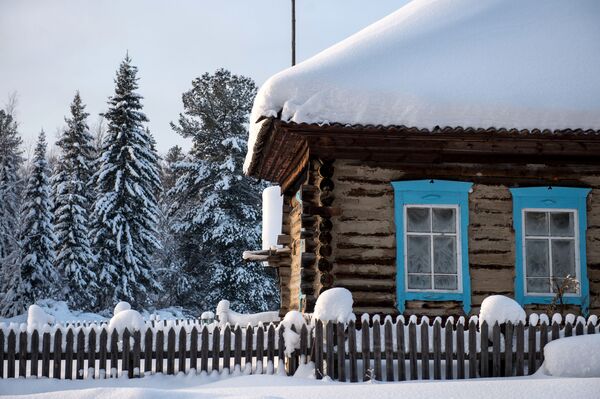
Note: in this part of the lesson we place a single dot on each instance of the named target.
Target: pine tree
(126, 210)
(71, 209)
(216, 208)
(39, 278)
(10, 198)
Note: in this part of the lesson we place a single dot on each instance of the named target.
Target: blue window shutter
(432, 192)
(551, 198)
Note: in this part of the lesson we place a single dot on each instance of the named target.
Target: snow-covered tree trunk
(126, 210)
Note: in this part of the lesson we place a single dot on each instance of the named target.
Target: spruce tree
(216, 209)
(71, 209)
(126, 210)
(10, 198)
(39, 278)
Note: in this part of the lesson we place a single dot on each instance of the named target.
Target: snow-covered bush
(500, 309)
(126, 318)
(573, 357)
(335, 304)
(226, 315)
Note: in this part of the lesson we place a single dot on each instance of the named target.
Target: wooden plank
(57, 354)
(352, 351)
(194, 349)
(45, 356)
(102, 355)
(227, 349)
(389, 350)
(366, 350)
(568, 329)
(126, 354)
(472, 349)
(80, 367)
(114, 354)
(249, 350)
(579, 328)
(329, 370)
(271, 346)
(412, 347)
(437, 350)
(531, 361)
(460, 350)
(520, 357)
(148, 352)
(543, 339)
(216, 349)
(555, 331)
(137, 349)
(340, 339)
(318, 346)
(281, 348)
(69, 350)
(170, 351)
(91, 354)
(22, 354)
(425, 356)
(496, 362)
(484, 357)
(377, 349)
(35, 350)
(237, 356)
(160, 347)
(448, 351)
(401, 350)
(508, 350)
(260, 352)
(204, 349)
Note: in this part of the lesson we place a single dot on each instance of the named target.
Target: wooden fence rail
(388, 351)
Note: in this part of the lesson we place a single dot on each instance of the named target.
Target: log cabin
(448, 152)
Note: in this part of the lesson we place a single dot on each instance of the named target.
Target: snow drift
(573, 357)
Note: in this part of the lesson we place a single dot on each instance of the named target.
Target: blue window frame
(550, 234)
(423, 277)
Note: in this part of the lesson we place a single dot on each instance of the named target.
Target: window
(431, 241)
(550, 226)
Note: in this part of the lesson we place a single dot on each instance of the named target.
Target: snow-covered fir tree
(126, 212)
(72, 204)
(216, 209)
(10, 199)
(38, 277)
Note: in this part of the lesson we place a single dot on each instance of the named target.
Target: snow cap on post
(335, 304)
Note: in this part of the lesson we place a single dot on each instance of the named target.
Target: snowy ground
(263, 386)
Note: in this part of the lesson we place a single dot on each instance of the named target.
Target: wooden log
(460, 351)
(237, 356)
(45, 356)
(449, 350)
(389, 350)
(472, 349)
(80, 370)
(324, 265)
(91, 354)
(318, 346)
(330, 353)
(484, 359)
(148, 352)
(69, 354)
(22, 354)
(126, 357)
(437, 350)
(352, 352)
(249, 349)
(425, 357)
(531, 361)
(366, 350)
(377, 350)
(160, 345)
(102, 352)
(227, 349)
(496, 363)
(35, 350)
(114, 354)
(181, 349)
(325, 225)
(412, 347)
(204, 349)
(520, 355)
(401, 350)
(508, 350)
(341, 352)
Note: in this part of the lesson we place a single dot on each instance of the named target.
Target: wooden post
(449, 351)
(412, 347)
(472, 349)
(508, 350)
(216, 348)
(484, 359)
(389, 351)
(91, 354)
(45, 356)
(304, 344)
(319, 350)
(102, 355)
(69, 354)
(460, 350)
(366, 350)
(568, 329)
(424, 350)
(56, 356)
(437, 350)
(22, 354)
(160, 347)
(401, 350)
(35, 350)
(204, 350)
(352, 351)
(579, 328)
(520, 358)
(148, 352)
(227, 349)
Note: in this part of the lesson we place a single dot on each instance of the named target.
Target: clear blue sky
(50, 48)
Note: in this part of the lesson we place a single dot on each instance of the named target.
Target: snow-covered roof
(521, 64)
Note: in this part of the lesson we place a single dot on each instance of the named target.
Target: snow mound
(335, 304)
(121, 306)
(573, 357)
(226, 315)
(130, 319)
(500, 309)
(454, 63)
(37, 317)
(295, 319)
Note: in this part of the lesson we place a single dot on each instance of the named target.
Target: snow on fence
(388, 351)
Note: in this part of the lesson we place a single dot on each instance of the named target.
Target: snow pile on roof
(272, 216)
(226, 315)
(573, 357)
(500, 309)
(496, 63)
(335, 304)
(126, 318)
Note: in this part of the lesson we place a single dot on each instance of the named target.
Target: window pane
(444, 220)
(538, 285)
(419, 281)
(445, 282)
(419, 254)
(563, 258)
(536, 223)
(418, 220)
(444, 254)
(537, 258)
(561, 224)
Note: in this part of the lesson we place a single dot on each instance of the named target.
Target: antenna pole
(293, 32)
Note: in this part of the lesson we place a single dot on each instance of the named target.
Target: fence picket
(508, 350)
(377, 349)
(389, 351)
(45, 355)
(401, 350)
(237, 356)
(248, 350)
(366, 350)
(579, 328)
(56, 365)
(35, 350)
(555, 331)
(126, 360)
(472, 349)
(412, 347)
(102, 354)
(160, 348)
(496, 363)
(11, 358)
(424, 350)
(137, 349)
(281, 350)
(204, 349)
(568, 329)
(2, 353)
(194, 349)
(437, 350)
(590, 328)
(227, 349)
(460, 350)
(148, 352)
(352, 351)
(170, 351)
(260, 352)
(520, 361)
(216, 348)
(114, 353)
(341, 352)
(531, 363)
(23, 354)
(318, 346)
(449, 350)
(329, 370)
(271, 346)
(303, 343)
(91, 354)
(543, 339)
(484, 356)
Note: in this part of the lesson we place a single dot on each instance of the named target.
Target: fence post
(352, 351)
